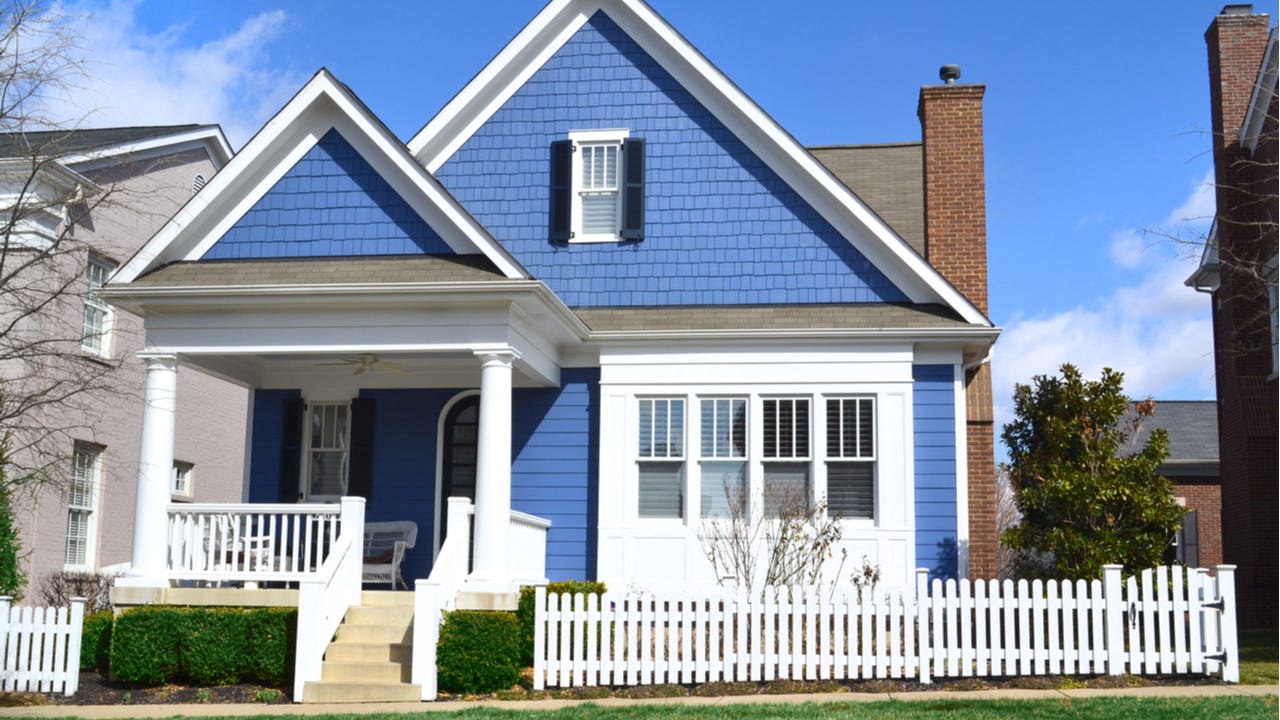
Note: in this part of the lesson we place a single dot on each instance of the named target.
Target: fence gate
(1180, 620)
(40, 647)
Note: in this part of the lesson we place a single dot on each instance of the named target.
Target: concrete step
(365, 672)
(386, 597)
(360, 692)
(369, 652)
(374, 634)
(401, 615)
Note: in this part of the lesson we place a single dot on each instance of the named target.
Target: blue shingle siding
(934, 431)
(554, 467)
(265, 443)
(720, 226)
(331, 203)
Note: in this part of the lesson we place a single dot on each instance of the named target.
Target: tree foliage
(12, 578)
(1087, 492)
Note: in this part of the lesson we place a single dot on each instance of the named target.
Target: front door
(458, 465)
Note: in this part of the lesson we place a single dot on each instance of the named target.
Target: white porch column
(155, 469)
(493, 473)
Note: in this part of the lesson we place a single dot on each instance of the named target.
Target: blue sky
(1097, 124)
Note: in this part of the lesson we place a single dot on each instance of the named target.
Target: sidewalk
(109, 712)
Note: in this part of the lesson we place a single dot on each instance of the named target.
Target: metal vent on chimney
(949, 74)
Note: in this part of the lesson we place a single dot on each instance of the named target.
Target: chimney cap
(1240, 9)
(949, 74)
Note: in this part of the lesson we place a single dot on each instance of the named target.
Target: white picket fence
(1164, 621)
(40, 647)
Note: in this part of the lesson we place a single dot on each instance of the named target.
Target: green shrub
(12, 579)
(525, 610)
(206, 646)
(270, 658)
(145, 643)
(479, 651)
(213, 649)
(95, 641)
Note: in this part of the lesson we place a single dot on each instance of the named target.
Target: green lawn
(1259, 654)
(1112, 708)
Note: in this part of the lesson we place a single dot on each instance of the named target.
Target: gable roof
(322, 105)
(890, 180)
(323, 271)
(1193, 436)
(561, 19)
(92, 144)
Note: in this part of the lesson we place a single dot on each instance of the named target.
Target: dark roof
(862, 316)
(323, 271)
(888, 178)
(1193, 438)
(67, 142)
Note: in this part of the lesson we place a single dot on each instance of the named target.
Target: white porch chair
(384, 546)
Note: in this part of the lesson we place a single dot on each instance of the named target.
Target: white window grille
(97, 314)
(786, 454)
(723, 451)
(661, 457)
(82, 505)
(328, 449)
(851, 456)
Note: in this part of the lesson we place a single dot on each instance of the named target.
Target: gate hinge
(1220, 657)
(1216, 605)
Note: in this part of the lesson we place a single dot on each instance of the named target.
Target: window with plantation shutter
(723, 462)
(82, 507)
(850, 428)
(786, 454)
(661, 457)
(597, 187)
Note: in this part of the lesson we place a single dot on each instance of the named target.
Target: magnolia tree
(1087, 492)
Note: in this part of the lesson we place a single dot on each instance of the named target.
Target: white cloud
(1199, 207)
(1157, 331)
(141, 78)
(1127, 247)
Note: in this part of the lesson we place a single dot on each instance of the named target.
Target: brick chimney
(1237, 40)
(955, 221)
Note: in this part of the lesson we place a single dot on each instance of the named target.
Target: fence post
(76, 631)
(922, 622)
(427, 598)
(540, 637)
(1113, 596)
(1228, 634)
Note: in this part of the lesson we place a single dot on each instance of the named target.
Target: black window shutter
(1191, 539)
(290, 450)
(360, 469)
(561, 189)
(633, 189)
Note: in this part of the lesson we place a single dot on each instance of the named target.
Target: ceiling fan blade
(394, 367)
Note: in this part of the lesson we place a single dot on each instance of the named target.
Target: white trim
(93, 301)
(441, 511)
(962, 473)
(209, 137)
(322, 104)
(555, 24)
(595, 138)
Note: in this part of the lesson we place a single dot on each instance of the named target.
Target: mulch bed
(98, 690)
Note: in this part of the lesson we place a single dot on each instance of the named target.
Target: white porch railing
(527, 549)
(250, 543)
(1165, 620)
(325, 596)
(40, 648)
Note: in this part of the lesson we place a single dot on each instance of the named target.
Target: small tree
(1087, 493)
(12, 578)
(787, 548)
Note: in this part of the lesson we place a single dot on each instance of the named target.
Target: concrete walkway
(109, 712)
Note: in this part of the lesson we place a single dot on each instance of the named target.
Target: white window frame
(344, 450)
(805, 459)
(857, 454)
(583, 141)
(680, 456)
(103, 317)
(83, 495)
(180, 483)
(716, 454)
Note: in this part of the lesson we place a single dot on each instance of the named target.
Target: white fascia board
(986, 335)
(322, 104)
(1260, 100)
(208, 137)
(552, 27)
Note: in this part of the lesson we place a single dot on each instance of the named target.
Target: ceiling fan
(368, 362)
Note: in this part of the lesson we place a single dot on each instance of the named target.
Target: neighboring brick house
(1239, 268)
(93, 199)
(1192, 466)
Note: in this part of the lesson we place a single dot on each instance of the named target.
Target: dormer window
(597, 187)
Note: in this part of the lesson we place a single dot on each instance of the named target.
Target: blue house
(601, 289)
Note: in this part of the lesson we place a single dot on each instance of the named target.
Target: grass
(1109, 708)
(1259, 653)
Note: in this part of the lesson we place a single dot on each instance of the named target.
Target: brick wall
(1204, 495)
(956, 244)
(1246, 235)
